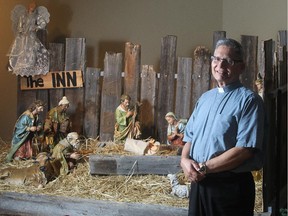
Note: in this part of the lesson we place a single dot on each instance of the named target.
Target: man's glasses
(228, 61)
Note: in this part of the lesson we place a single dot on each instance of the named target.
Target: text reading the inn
(61, 79)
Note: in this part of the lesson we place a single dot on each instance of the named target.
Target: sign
(52, 80)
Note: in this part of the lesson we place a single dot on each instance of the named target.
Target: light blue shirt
(224, 118)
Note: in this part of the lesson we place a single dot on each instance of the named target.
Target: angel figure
(27, 55)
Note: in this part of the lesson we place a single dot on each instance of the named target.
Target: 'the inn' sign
(58, 79)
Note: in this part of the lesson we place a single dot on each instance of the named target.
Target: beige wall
(108, 24)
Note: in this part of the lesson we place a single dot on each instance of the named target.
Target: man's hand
(190, 168)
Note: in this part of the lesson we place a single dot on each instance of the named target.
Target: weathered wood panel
(125, 165)
(75, 59)
(201, 73)
(56, 64)
(250, 48)
(148, 99)
(29, 204)
(24, 98)
(92, 102)
(218, 35)
(166, 84)
(132, 70)
(282, 57)
(184, 86)
(111, 93)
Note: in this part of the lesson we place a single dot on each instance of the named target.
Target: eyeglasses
(228, 61)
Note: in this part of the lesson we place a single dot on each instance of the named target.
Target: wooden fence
(177, 86)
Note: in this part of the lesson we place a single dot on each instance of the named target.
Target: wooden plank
(166, 84)
(92, 102)
(12, 203)
(148, 99)
(111, 93)
(24, 98)
(282, 57)
(56, 64)
(184, 86)
(250, 48)
(57, 79)
(125, 165)
(270, 107)
(218, 35)
(75, 58)
(132, 70)
(201, 73)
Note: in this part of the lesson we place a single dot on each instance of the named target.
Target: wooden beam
(166, 84)
(148, 99)
(111, 93)
(125, 165)
(12, 203)
(184, 86)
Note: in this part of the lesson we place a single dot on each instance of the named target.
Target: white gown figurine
(27, 55)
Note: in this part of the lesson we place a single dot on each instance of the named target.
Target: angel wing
(43, 17)
(16, 13)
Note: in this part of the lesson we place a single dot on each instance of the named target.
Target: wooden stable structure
(177, 86)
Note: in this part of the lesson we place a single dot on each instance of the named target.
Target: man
(224, 137)
(57, 123)
(25, 129)
(66, 152)
(126, 124)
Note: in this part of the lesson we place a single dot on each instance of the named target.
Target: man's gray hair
(235, 45)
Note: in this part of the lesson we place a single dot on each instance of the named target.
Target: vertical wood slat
(56, 64)
(132, 70)
(92, 102)
(282, 57)
(183, 88)
(148, 100)
(270, 106)
(75, 59)
(166, 84)
(217, 35)
(111, 93)
(250, 48)
(201, 73)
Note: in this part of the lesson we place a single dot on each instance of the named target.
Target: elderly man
(66, 152)
(224, 138)
(57, 123)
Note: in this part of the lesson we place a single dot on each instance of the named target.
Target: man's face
(126, 103)
(224, 69)
(39, 109)
(64, 107)
(75, 142)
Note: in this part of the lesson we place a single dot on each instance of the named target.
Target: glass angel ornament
(27, 55)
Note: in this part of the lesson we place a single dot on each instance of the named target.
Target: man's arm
(229, 160)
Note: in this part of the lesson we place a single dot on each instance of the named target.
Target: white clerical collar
(220, 90)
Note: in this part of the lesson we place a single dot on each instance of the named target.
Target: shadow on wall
(60, 18)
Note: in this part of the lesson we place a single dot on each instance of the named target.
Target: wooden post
(92, 102)
(184, 86)
(217, 35)
(166, 84)
(148, 100)
(282, 57)
(111, 93)
(75, 59)
(250, 48)
(201, 73)
(132, 71)
(142, 165)
(56, 64)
